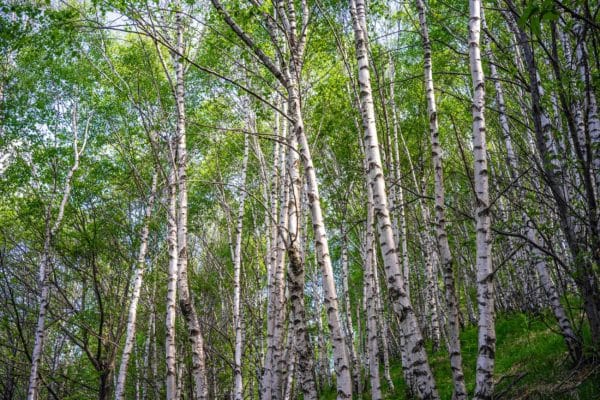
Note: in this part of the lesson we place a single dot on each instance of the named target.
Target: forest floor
(531, 364)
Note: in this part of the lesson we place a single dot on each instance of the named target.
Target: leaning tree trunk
(399, 196)
(589, 102)
(415, 350)
(186, 303)
(383, 325)
(135, 294)
(296, 276)
(344, 381)
(289, 76)
(571, 340)
(447, 262)
(485, 285)
(45, 263)
(570, 223)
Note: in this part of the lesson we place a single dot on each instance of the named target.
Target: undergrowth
(531, 363)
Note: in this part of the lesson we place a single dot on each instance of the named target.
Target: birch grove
(299, 199)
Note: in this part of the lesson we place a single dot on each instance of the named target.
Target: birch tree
(484, 388)
(135, 292)
(460, 391)
(417, 357)
(51, 230)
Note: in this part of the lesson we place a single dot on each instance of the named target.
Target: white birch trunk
(370, 301)
(447, 262)
(384, 330)
(400, 215)
(273, 284)
(344, 381)
(296, 277)
(590, 103)
(45, 261)
(135, 294)
(279, 310)
(485, 285)
(415, 351)
(348, 313)
(540, 263)
(186, 302)
(171, 302)
(237, 269)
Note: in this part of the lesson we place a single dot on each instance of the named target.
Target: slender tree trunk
(46, 262)
(417, 357)
(237, 268)
(447, 262)
(171, 302)
(401, 217)
(275, 285)
(571, 340)
(348, 313)
(485, 285)
(342, 368)
(430, 277)
(296, 276)
(186, 302)
(590, 103)
(372, 332)
(289, 383)
(324, 371)
(135, 294)
(584, 275)
(385, 346)
(289, 76)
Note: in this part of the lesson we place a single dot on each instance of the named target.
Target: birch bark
(186, 303)
(135, 294)
(296, 276)
(348, 313)
(275, 267)
(539, 258)
(237, 269)
(46, 259)
(415, 351)
(289, 76)
(447, 262)
(401, 217)
(372, 332)
(171, 302)
(485, 284)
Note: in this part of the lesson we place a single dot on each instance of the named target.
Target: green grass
(531, 363)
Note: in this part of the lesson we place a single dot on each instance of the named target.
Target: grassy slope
(531, 363)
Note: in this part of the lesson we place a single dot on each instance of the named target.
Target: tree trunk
(571, 340)
(348, 313)
(45, 262)
(186, 302)
(447, 262)
(417, 357)
(237, 269)
(584, 275)
(135, 294)
(485, 285)
(275, 283)
(171, 302)
(372, 332)
(296, 275)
